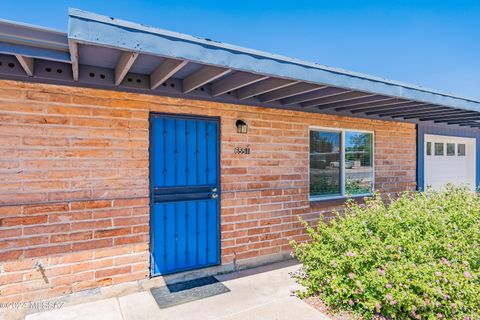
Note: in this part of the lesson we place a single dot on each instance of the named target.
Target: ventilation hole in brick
(103, 76)
(48, 69)
(11, 64)
(91, 74)
(59, 70)
(202, 89)
(129, 79)
(0, 63)
(164, 84)
(172, 85)
(228, 92)
(139, 81)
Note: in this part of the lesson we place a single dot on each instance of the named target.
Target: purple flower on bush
(388, 285)
(381, 271)
(350, 302)
(440, 316)
(351, 275)
(351, 254)
(467, 274)
(378, 306)
(438, 273)
(389, 296)
(394, 302)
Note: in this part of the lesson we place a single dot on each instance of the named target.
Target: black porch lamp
(241, 126)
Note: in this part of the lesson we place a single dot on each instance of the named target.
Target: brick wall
(74, 182)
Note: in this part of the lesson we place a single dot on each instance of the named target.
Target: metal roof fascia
(91, 28)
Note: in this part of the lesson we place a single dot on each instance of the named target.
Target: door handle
(214, 195)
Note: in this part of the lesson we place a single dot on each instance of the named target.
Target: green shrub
(416, 258)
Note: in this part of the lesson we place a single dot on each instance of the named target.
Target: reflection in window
(325, 163)
(358, 163)
(438, 149)
(461, 150)
(450, 149)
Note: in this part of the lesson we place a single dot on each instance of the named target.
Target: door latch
(214, 195)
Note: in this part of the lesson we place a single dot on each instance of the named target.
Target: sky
(434, 44)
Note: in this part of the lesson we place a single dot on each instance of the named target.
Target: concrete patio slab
(289, 308)
(139, 306)
(260, 293)
(107, 309)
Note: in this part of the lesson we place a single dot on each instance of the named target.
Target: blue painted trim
(90, 28)
(28, 51)
(423, 129)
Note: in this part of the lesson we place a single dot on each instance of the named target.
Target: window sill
(337, 200)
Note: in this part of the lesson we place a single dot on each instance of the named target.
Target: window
(450, 149)
(325, 161)
(438, 149)
(429, 148)
(341, 163)
(461, 150)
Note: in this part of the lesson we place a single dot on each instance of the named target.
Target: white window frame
(342, 132)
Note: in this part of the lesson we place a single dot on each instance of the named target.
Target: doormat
(183, 292)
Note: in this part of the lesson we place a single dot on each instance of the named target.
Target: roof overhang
(108, 53)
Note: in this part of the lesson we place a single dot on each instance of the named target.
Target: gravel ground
(318, 304)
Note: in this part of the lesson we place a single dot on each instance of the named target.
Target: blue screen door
(184, 193)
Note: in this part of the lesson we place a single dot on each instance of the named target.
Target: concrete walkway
(260, 293)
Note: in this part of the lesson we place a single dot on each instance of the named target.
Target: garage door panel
(455, 168)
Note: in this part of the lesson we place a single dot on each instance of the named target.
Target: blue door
(184, 193)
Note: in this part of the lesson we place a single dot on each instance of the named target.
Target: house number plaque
(239, 150)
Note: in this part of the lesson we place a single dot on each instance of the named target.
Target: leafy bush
(415, 258)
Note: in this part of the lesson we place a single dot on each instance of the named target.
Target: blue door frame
(184, 193)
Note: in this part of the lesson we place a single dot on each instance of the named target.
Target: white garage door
(449, 160)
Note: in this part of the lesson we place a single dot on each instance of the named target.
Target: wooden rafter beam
(354, 102)
(263, 87)
(165, 70)
(349, 106)
(202, 76)
(27, 64)
(440, 113)
(415, 112)
(235, 81)
(123, 66)
(382, 107)
(74, 58)
(292, 90)
(325, 92)
(451, 119)
(338, 98)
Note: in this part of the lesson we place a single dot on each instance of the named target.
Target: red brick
(112, 232)
(87, 154)
(22, 221)
(112, 271)
(87, 245)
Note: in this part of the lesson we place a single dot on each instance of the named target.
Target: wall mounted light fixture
(242, 127)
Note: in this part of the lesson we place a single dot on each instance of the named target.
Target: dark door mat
(183, 292)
